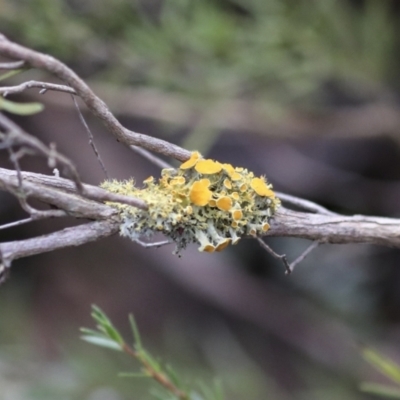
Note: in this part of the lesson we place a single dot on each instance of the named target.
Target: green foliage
(277, 50)
(388, 368)
(170, 385)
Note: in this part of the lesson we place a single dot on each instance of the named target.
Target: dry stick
(21, 195)
(281, 257)
(286, 223)
(17, 136)
(95, 104)
(16, 223)
(304, 204)
(44, 86)
(63, 194)
(90, 136)
(66, 89)
(67, 237)
(302, 256)
(338, 229)
(151, 157)
(289, 267)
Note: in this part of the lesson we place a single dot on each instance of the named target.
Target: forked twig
(289, 267)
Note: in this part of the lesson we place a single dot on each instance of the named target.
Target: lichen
(203, 202)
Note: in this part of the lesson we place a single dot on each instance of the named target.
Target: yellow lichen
(199, 194)
(265, 227)
(237, 214)
(224, 203)
(194, 158)
(228, 168)
(186, 207)
(261, 188)
(208, 248)
(235, 176)
(227, 183)
(180, 180)
(223, 244)
(212, 203)
(207, 167)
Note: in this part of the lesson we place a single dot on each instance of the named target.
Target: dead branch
(336, 229)
(14, 136)
(75, 236)
(63, 194)
(43, 86)
(94, 104)
(322, 228)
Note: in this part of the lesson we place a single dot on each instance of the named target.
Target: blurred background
(305, 92)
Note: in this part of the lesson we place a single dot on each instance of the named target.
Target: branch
(75, 236)
(84, 201)
(94, 103)
(43, 86)
(336, 229)
(15, 136)
(63, 194)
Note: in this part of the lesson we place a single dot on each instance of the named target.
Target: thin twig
(281, 257)
(302, 256)
(151, 157)
(16, 223)
(289, 267)
(43, 86)
(17, 136)
(74, 236)
(304, 204)
(90, 136)
(15, 161)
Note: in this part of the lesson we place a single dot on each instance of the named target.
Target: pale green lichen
(203, 201)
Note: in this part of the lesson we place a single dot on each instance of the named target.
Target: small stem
(161, 378)
(289, 267)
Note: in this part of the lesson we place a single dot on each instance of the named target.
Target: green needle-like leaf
(386, 366)
(136, 334)
(20, 108)
(381, 390)
(102, 342)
